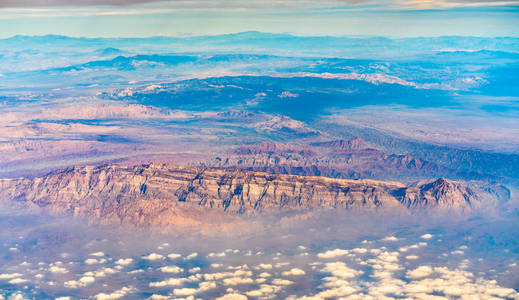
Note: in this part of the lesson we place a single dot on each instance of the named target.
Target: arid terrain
(258, 166)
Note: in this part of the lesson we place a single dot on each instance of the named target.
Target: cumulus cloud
(174, 255)
(171, 269)
(340, 270)
(102, 272)
(221, 275)
(237, 280)
(279, 281)
(9, 275)
(115, 295)
(124, 261)
(82, 282)
(265, 266)
(221, 254)
(360, 250)
(232, 296)
(17, 281)
(93, 261)
(265, 290)
(169, 282)
(420, 272)
(333, 253)
(153, 256)
(294, 272)
(58, 270)
(185, 291)
(191, 256)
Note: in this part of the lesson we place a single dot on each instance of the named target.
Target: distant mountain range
(254, 40)
(346, 159)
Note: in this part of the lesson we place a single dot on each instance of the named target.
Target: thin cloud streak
(256, 4)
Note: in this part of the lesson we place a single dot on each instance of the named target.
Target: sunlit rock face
(166, 194)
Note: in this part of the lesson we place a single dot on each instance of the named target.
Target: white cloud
(333, 253)
(153, 256)
(340, 270)
(169, 282)
(294, 272)
(360, 250)
(279, 281)
(102, 272)
(427, 236)
(281, 264)
(185, 291)
(390, 239)
(206, 285)
(174, 255)
(265, 290)
(237, 280)
(124, 261)
(93, 261)
(221, 254)
(192, 255)
(116, 294)
(420, 272)
(58, 270)
(171, 269)
(16, 296)
(159, 297)
(232, 296)
(9, 275)
(17, 281)
(82, 282)
(336, 292)
(221, 275)
(265, 266)
(98, 254)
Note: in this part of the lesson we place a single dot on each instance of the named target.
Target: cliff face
(160, 194)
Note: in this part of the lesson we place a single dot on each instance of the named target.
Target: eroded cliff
(164, 194)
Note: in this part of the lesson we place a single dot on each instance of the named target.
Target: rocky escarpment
(162, 194)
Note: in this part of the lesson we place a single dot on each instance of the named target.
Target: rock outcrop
(162, 194)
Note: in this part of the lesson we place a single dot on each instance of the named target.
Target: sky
(138, 18)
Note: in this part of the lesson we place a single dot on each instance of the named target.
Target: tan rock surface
(160, 194)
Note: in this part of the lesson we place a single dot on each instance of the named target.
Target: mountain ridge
(164, 194)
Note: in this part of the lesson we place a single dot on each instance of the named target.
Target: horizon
(260, 32)
(200, 18)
